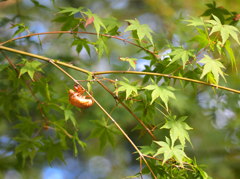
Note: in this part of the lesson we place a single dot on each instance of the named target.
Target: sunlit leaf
(142, 29)
(128, 88)
(70, 10)
(180, 54)
(195, 21)
(178, 129)
(170, 151)
(97, 21)
(163, 92)
(212, 66)
(225, 30)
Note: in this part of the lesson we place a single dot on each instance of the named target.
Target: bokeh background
(214, 115)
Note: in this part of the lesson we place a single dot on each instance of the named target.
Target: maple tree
(149, 95)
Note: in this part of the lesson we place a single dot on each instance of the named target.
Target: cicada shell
(77, 98)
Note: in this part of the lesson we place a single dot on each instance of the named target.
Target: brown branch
(168, 76)
(116, 72)
(77, 32)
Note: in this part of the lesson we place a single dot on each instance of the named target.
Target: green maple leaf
(212, 66)
(170, 151)
(128, 88)
(97, 21)
(131, 61)
(105, 132)
(70, 10)
(112, 24)
(225, 30)
(30, 67)
(21, 28)
(178, 130)
(180, 54)
(231, 54)
(163, 92)
(68, 115)
(28, 146)
(76, 141)
(195, 21)
(148, 150)
(142, 29)
(80, 43)
(53, 150)
(101, 47)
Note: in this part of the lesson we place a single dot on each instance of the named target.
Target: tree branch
(116, 72)
(168, 76)
(77, 32)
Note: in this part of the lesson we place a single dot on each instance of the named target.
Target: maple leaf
(70, 10)
(142, 29)
(105, 132)
(163, 92)
(101, 47)
(30, 68)
(170, 151)
(112, 25)
(225, 30)
(212, 66)
(97, 21)
(129, 88)
(196, 21)
(68, 114)
(178, 129)
(180, 54)
(21, 28)
(80, 43)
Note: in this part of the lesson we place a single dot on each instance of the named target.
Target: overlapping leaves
(130, 89)
(169, 151)
(181, 54)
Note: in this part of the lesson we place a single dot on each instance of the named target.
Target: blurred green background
(214, 115)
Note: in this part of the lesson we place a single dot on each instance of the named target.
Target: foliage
(34, 95)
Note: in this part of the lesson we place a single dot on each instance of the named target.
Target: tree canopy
(113, 89)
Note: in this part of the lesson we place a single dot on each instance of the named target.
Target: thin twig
(168, 76)
(77, 32)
